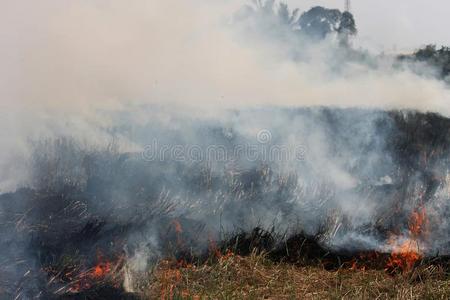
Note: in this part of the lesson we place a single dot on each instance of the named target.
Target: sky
(394, 25)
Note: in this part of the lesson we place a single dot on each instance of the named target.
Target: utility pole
(347, 5)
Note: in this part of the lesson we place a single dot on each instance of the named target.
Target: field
(102, 224)
(256, 277)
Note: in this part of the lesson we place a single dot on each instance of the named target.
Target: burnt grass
(304, 250)
(60, 228)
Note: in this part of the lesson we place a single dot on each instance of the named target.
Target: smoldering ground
(94, 83)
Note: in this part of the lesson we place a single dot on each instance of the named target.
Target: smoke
(68, 65)
(78, 56)
(88, 87)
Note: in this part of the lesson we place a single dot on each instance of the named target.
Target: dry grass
(255, 277)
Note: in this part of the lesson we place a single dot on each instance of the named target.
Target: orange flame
(213, 249)
(418, 222)
(171, 277)
(406, 250)
(101, 269)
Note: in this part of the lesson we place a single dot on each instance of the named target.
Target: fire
(213, 249)
(217, 252)
(362, 262)
(418, 222)
(406, 250)
(170, 274)
(404, 255)
(101, 269)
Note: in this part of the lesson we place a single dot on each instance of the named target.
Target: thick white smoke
(66, 65)
(74, 57)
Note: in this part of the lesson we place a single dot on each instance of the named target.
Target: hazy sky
(403, 24)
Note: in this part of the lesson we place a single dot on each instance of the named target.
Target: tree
(439, 59)
(347, 25)
(318, 22)
(346, 28)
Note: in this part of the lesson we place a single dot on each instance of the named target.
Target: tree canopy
(434, 57)
(316, 23)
